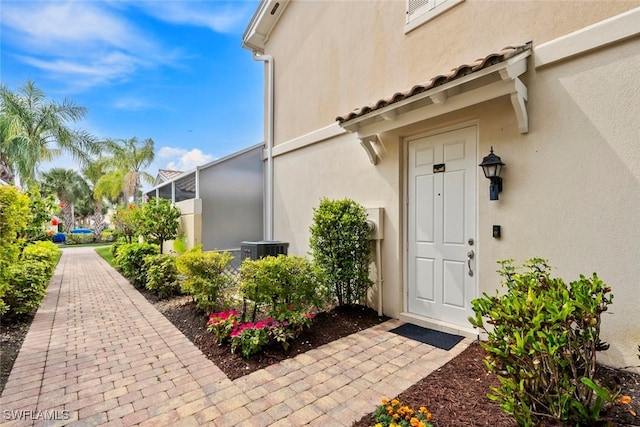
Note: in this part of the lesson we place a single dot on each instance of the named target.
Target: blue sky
(170, 70)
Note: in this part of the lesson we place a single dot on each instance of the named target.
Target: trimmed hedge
(130, 258)
(206, 276)
(162, 275)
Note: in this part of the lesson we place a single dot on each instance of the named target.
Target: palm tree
(129, 158)
(34, 125)
(69, 187)
(94, 172)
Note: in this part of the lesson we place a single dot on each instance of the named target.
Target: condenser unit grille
(261, 249)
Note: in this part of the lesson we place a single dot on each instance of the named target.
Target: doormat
(438, 339)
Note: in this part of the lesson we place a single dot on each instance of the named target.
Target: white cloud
(81, 43)
(182, 159)
(221, 17)
(55, 27)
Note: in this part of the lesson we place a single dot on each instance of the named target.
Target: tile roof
(167, 175)
(440, 79)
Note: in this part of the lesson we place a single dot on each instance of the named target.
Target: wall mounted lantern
(492, 167)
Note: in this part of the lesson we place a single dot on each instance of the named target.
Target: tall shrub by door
(340, 247)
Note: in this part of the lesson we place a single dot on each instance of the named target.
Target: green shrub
(127, 220)
(542, 343)
(162, 275)
(205, 275)
(79, 238)
(159, 221)
(107, 235)
(14, 211)
(28, 285)
(44, 251)
(130, 259)
(340, 247)
(115, 246)
(280, 282)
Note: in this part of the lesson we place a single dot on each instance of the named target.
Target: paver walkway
(98, 353)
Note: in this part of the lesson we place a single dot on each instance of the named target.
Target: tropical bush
(158, 221)
(280, 282)
(29, 280)
(107, 235)
(162, 275)
(130, 258)
(115, 246)
(542, 341)
(43, 251)
(14, 208)
(127, 222)
(340, 247)
(29, 277)
(79, 238)
(205, 275)
(39, 213)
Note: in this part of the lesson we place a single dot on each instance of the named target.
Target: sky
(169, 70)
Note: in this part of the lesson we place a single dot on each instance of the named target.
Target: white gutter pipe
(268, 60)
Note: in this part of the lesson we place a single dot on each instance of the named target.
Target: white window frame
(427, 12)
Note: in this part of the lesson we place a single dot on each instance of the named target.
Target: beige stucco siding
(571, 184)
(334, 56)
(339, 169)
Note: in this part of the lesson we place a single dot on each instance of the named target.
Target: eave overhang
(262, 23)
(460, 89)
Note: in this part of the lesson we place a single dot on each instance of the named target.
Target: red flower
(54, 221)
(61, 205)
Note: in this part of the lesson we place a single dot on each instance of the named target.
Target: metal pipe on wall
(268, 60)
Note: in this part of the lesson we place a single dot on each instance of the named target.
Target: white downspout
(268, 60)
(379, 274)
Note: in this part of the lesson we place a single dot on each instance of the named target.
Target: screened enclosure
(221, 201)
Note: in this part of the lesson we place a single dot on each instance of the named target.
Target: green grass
(80, 245)
(105, 253)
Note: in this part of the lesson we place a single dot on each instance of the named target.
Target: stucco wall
(304, 176)
(571, 185)
(334, 56)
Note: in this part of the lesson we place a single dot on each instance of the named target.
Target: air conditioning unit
(261, 249)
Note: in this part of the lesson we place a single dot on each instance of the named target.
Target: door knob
(470, 256)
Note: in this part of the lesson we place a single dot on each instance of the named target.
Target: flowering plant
(296, 320)
(394, 414)
(250, 337)
(222, 324)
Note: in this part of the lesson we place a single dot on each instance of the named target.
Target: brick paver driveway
(98, 353)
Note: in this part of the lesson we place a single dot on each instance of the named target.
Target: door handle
(470, 256)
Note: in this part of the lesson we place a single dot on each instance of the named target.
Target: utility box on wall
(376, 216)
(261, 249)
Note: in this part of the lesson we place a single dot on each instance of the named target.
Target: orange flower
(624, 400)
(385, 400)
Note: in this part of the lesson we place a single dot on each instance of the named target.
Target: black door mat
(438, 339)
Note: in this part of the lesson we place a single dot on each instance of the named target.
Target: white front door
(441, 192)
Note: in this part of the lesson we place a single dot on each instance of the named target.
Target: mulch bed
(13, 330)
(327, 327)
(455, 393)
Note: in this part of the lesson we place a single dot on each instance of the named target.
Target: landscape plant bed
(12, 333)
(327, 326)
(456, 394)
